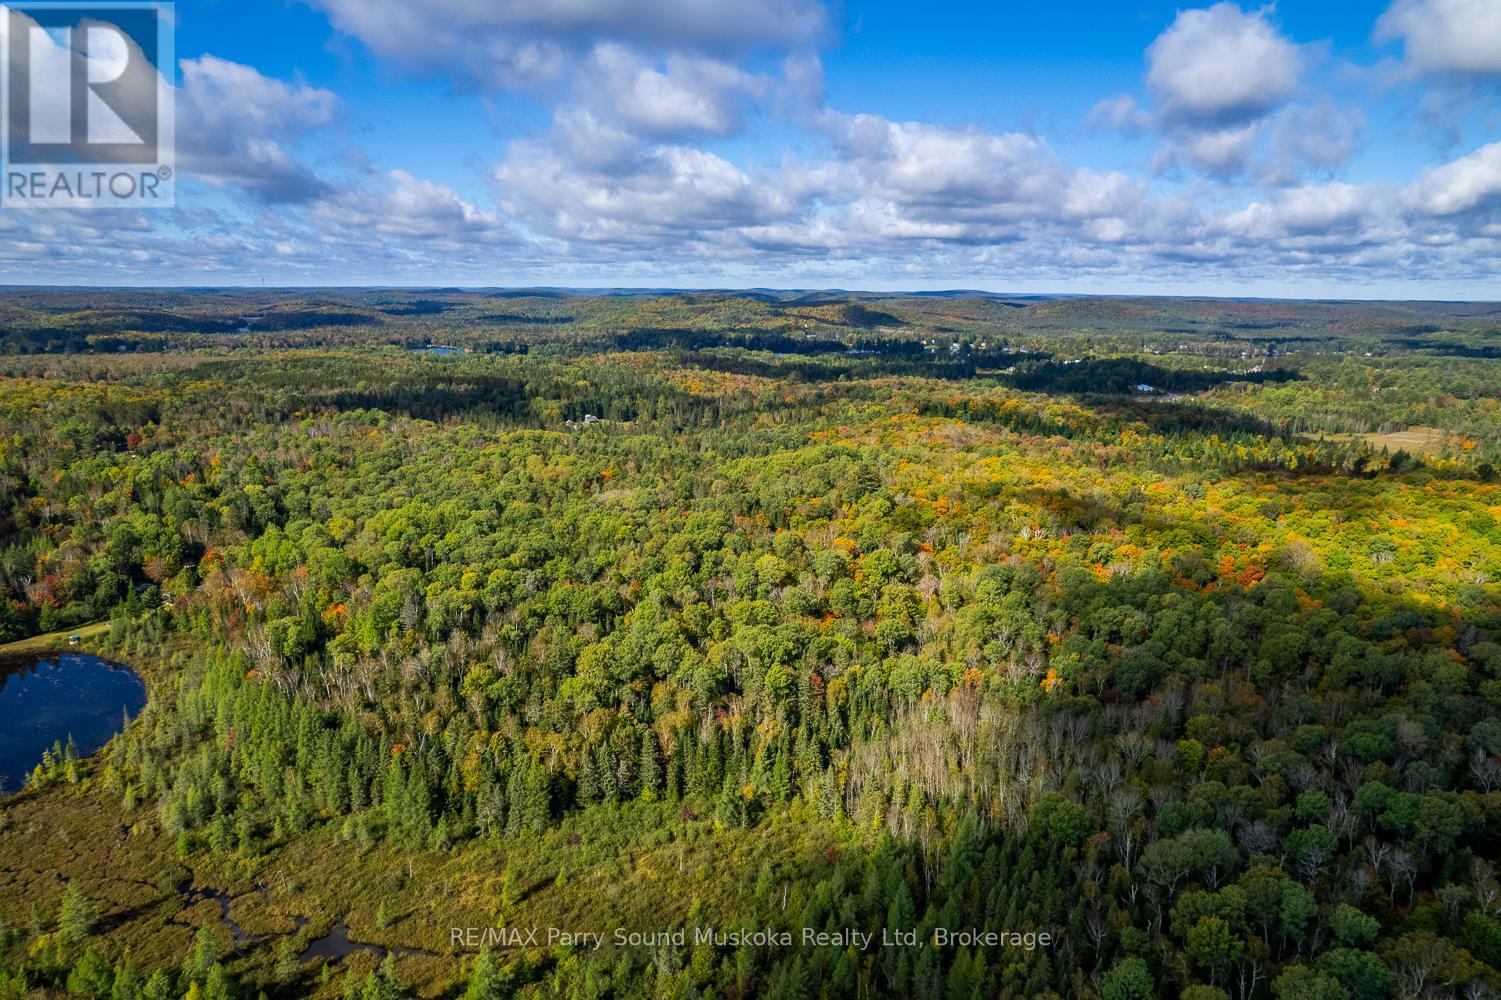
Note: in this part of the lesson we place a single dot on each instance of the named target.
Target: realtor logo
(88, 105)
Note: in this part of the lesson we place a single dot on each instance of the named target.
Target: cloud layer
(694, 138)
(1446, 36)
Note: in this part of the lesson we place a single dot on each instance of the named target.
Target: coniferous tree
(487, 980)
(75, 917)
(651, 768)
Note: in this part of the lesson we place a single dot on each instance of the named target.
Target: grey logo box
(88, 105)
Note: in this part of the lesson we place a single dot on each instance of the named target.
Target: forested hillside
(1153, 648)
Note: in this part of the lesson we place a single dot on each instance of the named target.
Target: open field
(52, 641)
(1418, 440)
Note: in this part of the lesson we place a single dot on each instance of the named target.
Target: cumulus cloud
(803, 73)
(490, 44)
(1222, 151)
(894, 184)
(235, 127)
(411, 209)
(1278, 149)
(687, 94)
(639, 196)
(1221, 67)
(1446, 36)
(1218, 77)
(930, 165)
(1120, 112)
(1336, 211)
(885, 185)
(1092, 195)
(1468, 184)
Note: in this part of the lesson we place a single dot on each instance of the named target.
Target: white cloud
(1221, 66)
(803, 72)
(410, 209)
(1222, 151)
(1221, 79)
(689, 94)
(1336, 210)
(937, 168)
(1446, 36)
(1464, 185)
(1120, 112)
(234, 127)
(656, 195)
(634, 175)
(1091, 195)
(491, 44)
(893, 184)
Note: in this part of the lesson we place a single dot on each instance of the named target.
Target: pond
(439, 349)
(337, 944)
(46, 699)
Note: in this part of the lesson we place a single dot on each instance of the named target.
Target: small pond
(45, 699)
(337, 944)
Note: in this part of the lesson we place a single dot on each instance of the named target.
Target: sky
(1309, 148)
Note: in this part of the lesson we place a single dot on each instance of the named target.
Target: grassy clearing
(53, 641)
(1416, 439)
(640, 866)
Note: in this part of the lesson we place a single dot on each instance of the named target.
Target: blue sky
(1330, 149)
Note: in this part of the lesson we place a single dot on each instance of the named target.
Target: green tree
(92, 976)
(286, 961)
(487, 980)
(127, 985)
(160, 987)
(1351, 927)
(75, 917)
(1299, 982)
(1212, 946)
(1363, 974)
(1128, 979)
(202, 955)
(651, 767)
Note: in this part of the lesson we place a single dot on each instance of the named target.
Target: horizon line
(666, 290)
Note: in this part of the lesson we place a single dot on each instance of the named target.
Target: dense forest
(821, 645)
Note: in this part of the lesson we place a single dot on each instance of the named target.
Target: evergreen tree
(127, 985)
(286, 961)
(160, 987)
(651, 768)
(487, 980)
(75, 917)
(202, 955)
(217, 984)
(92, 976)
